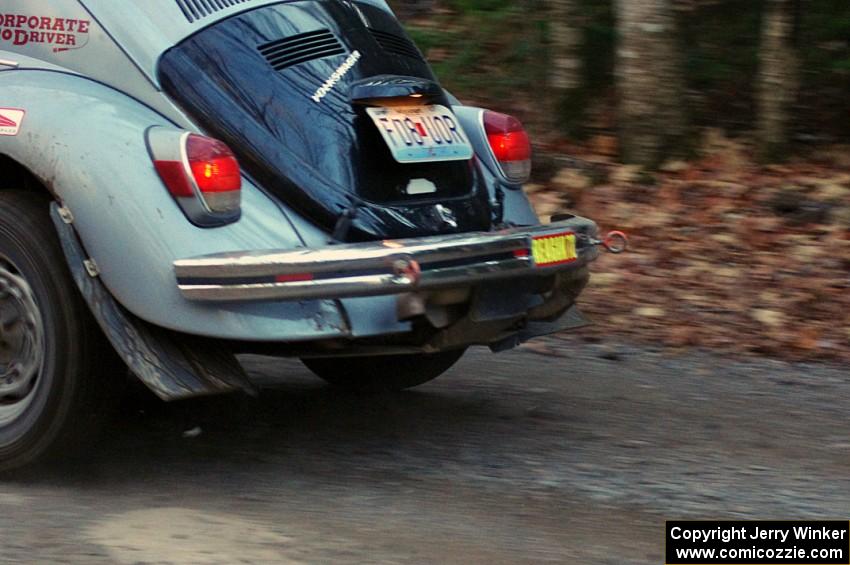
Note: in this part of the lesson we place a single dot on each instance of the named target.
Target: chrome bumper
(378, 268)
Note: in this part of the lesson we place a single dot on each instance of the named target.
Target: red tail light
(201, 173)
(510, 144)
(213, 164)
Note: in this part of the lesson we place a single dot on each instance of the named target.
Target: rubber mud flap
(174, 366)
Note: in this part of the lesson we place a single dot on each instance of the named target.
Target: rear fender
(86, 144)
(510, 198)
(174, 366)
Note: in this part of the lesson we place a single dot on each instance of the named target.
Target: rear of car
(332, 110)
(231, 176)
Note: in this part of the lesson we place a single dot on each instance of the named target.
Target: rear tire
(58, 374)
(383, 373)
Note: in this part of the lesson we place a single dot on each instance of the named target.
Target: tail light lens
(216, 172)
(201, 173)
(510, 145)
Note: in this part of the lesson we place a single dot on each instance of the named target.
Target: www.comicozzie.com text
(726, 535)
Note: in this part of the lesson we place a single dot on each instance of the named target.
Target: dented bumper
(387, 267)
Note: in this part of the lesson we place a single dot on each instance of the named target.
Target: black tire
(79, 371)
(383, 373)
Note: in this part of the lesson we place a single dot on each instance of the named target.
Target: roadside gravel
(561, 452)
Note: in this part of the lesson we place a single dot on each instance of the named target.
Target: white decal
(336, 77)
(11, 120)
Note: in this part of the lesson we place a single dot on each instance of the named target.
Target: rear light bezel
(523, 173)
(169, 151)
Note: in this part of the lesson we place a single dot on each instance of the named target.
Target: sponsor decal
(61, 34)
(336, 77)
(11, 120)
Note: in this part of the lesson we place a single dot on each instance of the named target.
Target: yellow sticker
(554, 249)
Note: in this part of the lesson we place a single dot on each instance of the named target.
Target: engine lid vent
(197, 9)
(396, 44)
(297, 49)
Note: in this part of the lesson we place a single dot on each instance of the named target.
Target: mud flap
(174, 366)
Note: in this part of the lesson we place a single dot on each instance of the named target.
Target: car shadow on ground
(296, 422)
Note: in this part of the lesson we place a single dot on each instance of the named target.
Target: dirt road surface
(563, 454)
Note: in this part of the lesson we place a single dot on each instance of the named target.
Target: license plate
(422, 134)
(557, 249)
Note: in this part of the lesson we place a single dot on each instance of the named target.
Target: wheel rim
(21, 343)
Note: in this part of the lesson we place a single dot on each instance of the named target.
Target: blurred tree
(566, 39)
(650, 81)
(413, 8)
(566, 77)
(779, 76)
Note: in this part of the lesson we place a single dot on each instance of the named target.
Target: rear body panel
(287, 86)
(88, 108)
(65, 36)
(146, 29)
(129, 223)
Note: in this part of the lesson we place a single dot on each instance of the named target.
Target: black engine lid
(286, 86)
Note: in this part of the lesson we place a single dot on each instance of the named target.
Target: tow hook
(615, 242)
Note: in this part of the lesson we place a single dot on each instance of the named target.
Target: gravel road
(562, 453)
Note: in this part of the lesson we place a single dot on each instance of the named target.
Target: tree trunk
(778, 78)
(566, 80)
(566, 42)
(412, 8)
(651, 86)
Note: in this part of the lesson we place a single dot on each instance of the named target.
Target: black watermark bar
(758, 543)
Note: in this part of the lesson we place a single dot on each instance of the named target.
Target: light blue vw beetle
(186, 180)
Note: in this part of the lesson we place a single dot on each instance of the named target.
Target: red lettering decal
(23, 29)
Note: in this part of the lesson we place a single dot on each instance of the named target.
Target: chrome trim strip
(354, 287)
(335, 258)
(490, 256)
(348, 287)
(9, 63)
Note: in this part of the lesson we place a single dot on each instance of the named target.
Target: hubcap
(21, 343)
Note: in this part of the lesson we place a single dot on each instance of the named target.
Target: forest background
(715, 132)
